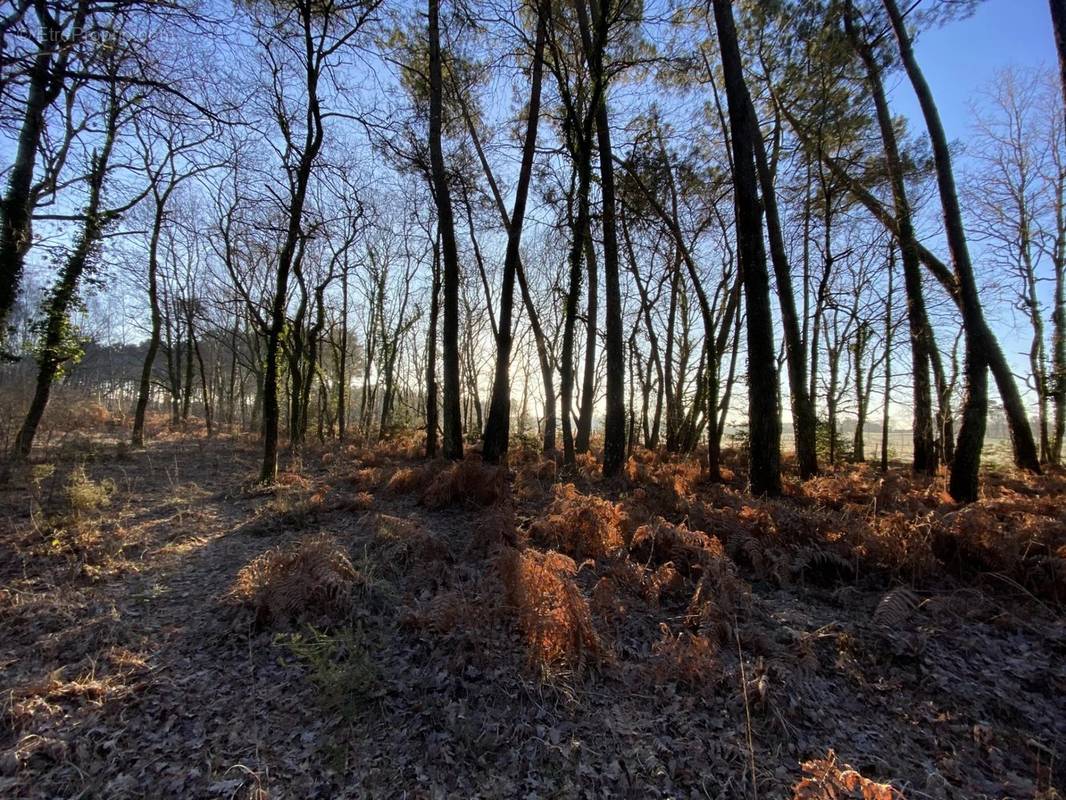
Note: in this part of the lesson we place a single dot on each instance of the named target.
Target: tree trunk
(16, 209)
(594, 40)
(55, 348)
(925, 455)
(804, 421)
(885, 417)
(144, 388)
(588, 380)
(763, 415)
(342, 360)
(431, 356)
(963, 484)
(453, 425)
(497, 429)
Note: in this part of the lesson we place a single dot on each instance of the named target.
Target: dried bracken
(895, 607)
(664, 583)
(552, 614)
(687, 658)
(470, 482)
(410, 479)
(403, 546)
(667, 486)
(660, 542)
(582, 526)
(827, 780)
(496, 528)
(533, 478)
(309, 579)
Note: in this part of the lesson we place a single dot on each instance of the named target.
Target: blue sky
(961, 57)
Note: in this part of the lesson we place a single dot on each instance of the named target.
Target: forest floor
(373, 626)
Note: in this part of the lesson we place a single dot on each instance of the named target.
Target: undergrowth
(339, 666)
(310, 579)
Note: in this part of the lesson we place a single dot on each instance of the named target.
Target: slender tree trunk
(342, 360)
(588, 381)
(45, 82)
(453, 425)
(925, 455)
(1058, 315)
(1058, 25)
(55, 348)
(190, 343)
(763, 415)
(547, 371)
(963, 484)
(582, 166)
(804, 421)
(203, 388)
(885, 417)
(497, 430)
(858, 447)
(614, 430)
(144, 388)
(668, 366)
(431, 355)
(1058, 322)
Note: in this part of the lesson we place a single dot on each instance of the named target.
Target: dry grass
(308, 580)
(84, 495)
(552, 614)
(582, 526)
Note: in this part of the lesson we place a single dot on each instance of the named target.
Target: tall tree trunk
(582, 158)
(804, 421)
(963, 484)
(55, 348)
(301, 177)
(431, 355)
(497, 429)
(858, 446)
(453, 425)
(925, 455)
(594, 39)
(1058, 24)
(342, 360)
(144, 388)
(588, 380)
(186, 396)
(763, 415)
(46, 80)
(203, 388)
(1058, 321)
(547, 371)
(885, 416)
